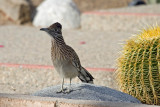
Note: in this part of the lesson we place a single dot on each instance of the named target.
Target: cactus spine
(138, 70)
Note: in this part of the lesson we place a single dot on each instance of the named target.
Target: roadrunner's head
(54, 30)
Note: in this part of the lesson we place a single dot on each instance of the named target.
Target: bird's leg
(69, 89)
(62, 89)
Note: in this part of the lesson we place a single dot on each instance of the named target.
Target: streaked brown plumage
(64, 58)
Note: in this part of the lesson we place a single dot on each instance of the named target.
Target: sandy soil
(28, 45)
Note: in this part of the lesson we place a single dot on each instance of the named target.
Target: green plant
(138, 70)
(152, 1)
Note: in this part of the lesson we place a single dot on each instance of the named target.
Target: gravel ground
(28, 45)
(27, 81)
(154, 8)
(129, 19)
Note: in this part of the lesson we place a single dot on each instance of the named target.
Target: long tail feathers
(85, 76)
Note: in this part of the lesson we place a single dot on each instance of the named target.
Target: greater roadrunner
(65, 59)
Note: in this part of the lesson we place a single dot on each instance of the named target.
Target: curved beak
(44, 29)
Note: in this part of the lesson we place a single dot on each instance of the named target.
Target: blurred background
(96, 29)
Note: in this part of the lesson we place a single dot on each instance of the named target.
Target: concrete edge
(27, 101)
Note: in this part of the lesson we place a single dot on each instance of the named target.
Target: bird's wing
(74, 59)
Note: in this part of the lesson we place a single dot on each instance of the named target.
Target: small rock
(88, 92)
(136, 3)
(63, 11)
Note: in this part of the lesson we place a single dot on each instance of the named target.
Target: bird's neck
(58, 41)
(58, 44)
(57, 48)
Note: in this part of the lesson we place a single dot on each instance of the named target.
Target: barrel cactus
(138, 70)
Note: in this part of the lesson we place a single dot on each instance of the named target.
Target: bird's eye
(56, 30)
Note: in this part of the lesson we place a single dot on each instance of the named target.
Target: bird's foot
(67, 91)
(64, 91)
(60, 91)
